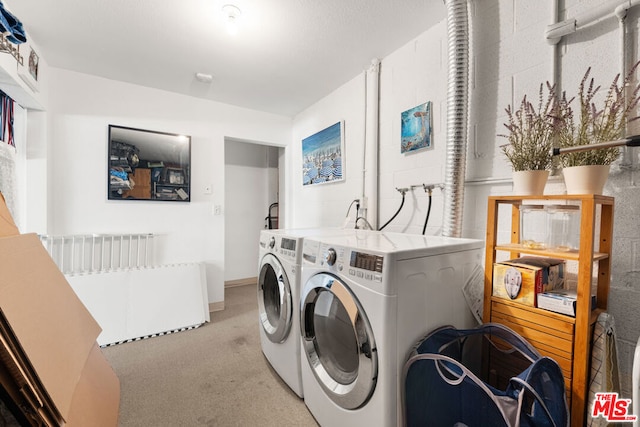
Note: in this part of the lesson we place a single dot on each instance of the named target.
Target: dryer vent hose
(457, 111)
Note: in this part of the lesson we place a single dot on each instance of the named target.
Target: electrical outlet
(217, 210)
(363, 206)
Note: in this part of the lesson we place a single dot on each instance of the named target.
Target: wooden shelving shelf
(571, 255)
(563, 338)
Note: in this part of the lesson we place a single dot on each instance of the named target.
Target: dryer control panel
(366, 261)
(366, 266)
(357, 264)
(332, 256)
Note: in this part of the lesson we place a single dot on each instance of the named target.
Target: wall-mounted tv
(148, 165)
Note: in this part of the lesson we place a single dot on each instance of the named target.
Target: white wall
(80, 111)
(250, 188)
(274, 187)
(36, 183)
(411, 76)
(325, 205)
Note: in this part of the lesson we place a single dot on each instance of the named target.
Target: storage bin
(563, 227)
(488, 376)
(533, 226)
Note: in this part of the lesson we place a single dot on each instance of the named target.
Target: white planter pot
(585, 179)
(529, 183)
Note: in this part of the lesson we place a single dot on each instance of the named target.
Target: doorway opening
(253, 182)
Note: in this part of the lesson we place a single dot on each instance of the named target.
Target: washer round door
(338, 341)
(275, 304)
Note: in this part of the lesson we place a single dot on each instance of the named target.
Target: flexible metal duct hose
(457, 111)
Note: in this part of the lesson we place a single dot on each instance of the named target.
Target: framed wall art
(148, 165)
(322, 156)
(416, 128)
(30, 67)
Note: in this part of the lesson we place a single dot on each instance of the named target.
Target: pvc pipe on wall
(571, 25)
(621, 13)
(556, 30)
(554, 46)
(370, 179)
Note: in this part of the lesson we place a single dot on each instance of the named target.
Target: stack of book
(561, 301)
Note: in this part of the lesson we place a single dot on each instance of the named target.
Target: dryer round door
(275, 303)
(338, 341)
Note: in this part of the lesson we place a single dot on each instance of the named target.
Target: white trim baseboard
(216, 306)
(241, 282)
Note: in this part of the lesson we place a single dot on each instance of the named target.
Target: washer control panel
(366, 261)
(286, 248)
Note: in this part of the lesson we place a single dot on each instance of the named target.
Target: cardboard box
(522, 279)
(562, 301)
(96, 398)
(55, 333)
(7, 226)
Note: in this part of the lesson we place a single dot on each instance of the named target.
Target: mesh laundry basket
(488, 376)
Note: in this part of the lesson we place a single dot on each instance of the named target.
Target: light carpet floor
(214, 375)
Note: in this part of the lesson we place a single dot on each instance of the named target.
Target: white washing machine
(280, 253)
(365, 302)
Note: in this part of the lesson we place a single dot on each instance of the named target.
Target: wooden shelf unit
(563, 338)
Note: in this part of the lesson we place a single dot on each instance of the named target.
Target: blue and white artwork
(416, 128)
(322, 159)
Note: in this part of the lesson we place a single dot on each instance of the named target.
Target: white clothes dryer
(280, 253)
(366, 301)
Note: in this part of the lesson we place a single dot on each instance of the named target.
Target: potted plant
(530, 137)
(586, 172)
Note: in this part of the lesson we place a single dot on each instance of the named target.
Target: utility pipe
(604, 10)
(557, 30)
(369, 200)
(363, 210)
(621, 13)
(622, 9)
(554, 47)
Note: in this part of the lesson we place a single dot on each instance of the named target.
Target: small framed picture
(323, 156)
(33, 64)
(416, 128)
(29, 69)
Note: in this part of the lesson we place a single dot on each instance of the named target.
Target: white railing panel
(94, 253)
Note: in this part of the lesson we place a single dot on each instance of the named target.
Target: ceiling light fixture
(233, 15)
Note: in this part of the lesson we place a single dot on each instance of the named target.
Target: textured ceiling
(287, 54)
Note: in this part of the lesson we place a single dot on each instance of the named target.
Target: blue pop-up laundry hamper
(463, 377)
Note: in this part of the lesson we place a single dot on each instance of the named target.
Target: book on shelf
(561, 301)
